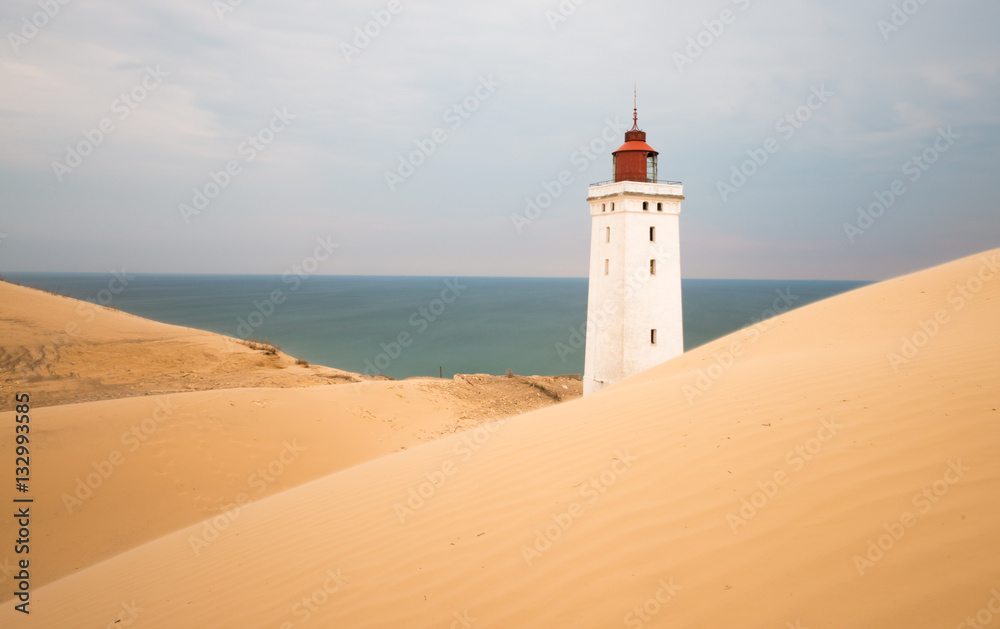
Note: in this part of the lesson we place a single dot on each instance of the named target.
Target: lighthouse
(634, 318)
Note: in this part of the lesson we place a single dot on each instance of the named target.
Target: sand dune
(836, 467)
(119, 473)
(116, 473)
(69, 351)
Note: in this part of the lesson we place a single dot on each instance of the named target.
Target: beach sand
(837, 466)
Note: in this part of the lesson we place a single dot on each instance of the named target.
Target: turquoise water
(414, 326)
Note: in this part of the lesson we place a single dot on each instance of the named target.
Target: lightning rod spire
(635, 107)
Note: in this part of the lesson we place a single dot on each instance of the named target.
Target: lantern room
(635, 160)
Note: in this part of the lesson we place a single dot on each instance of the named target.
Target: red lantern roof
(636, 145)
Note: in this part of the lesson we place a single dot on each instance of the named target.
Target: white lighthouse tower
(634, 318)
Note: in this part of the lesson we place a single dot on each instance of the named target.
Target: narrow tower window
(612, 207)
(607, 234)
(607, 263)
(652, 337)
(659, 207)
(604, 207)
(652, 234)
(652, 267)
(645, 206)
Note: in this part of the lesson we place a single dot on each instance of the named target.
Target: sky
(815, 139)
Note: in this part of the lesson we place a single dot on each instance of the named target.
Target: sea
(417, 326)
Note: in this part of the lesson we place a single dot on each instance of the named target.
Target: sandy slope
(69, 350)
(119, 473)
(116, 473)
(583, 514)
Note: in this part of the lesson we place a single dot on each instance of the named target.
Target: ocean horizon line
(5, 274)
